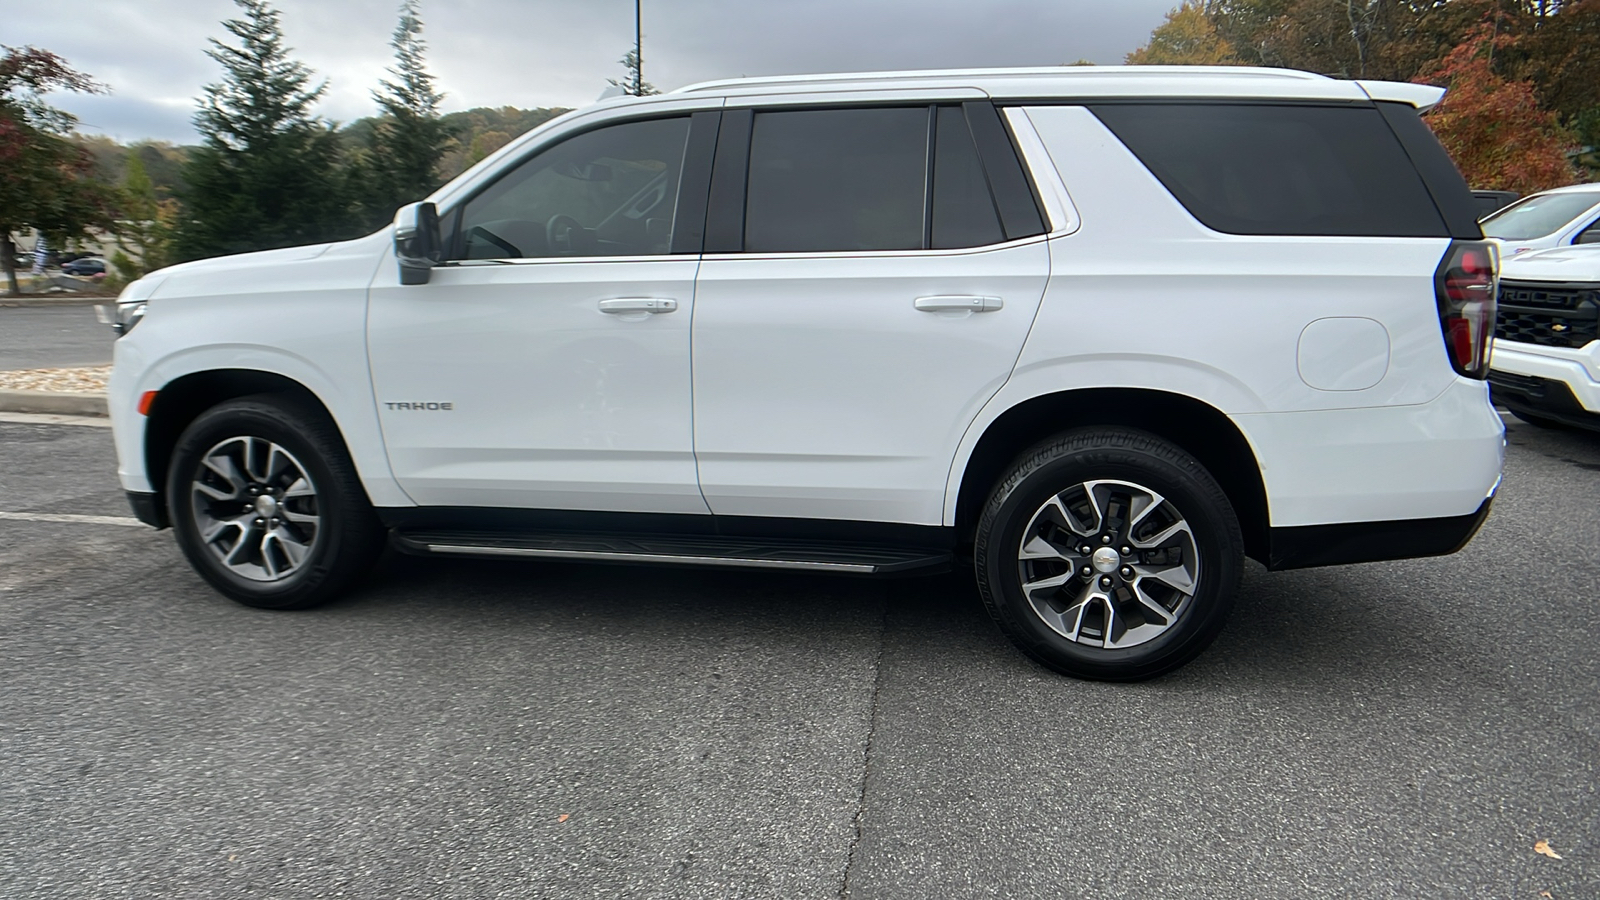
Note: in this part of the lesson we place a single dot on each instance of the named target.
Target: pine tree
(268, 173)
(410, 138)
(634, 84)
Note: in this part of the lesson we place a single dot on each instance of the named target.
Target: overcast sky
(531, 53)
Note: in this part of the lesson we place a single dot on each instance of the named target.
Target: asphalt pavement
(470, 729)
(67, 334)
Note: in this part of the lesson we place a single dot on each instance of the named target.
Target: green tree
(633, 84)
(144, 230)
(46, 178)
(269, 173)
(410, 138)
(1186, 38)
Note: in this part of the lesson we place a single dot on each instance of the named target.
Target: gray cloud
(560, 52)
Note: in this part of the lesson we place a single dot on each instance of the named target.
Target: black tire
(1064, 466)
(345, 540)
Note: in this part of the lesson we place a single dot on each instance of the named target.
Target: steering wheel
(564, 235)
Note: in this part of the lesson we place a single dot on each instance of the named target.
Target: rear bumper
(1359, 542)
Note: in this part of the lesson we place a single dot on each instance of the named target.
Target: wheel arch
(1197, 427)
(182, 400)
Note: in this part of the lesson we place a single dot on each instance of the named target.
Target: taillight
(1466, 284)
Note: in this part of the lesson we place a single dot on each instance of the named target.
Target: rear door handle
(959, 304)
(625, 305)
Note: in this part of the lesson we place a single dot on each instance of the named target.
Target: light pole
(638, 52)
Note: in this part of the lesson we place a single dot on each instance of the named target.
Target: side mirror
(417, 246)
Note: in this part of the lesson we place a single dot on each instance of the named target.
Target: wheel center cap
(1105, 560)
(266, 507)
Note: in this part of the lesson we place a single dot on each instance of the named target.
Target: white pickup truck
(1546, 367)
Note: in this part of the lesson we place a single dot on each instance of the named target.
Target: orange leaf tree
(1493, 126)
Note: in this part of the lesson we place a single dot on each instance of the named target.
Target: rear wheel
(266, 504)
(1109, 554)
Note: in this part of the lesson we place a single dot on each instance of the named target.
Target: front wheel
(266, 504)
(1109, 554)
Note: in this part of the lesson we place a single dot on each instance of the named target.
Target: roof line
(1064, 72)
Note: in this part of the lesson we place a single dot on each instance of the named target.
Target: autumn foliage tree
(46, 178)
(1492, 125)
(1187, 38)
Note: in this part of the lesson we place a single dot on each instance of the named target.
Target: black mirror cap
(417, 246)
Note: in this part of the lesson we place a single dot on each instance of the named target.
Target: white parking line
(71, 518)
(54, 419)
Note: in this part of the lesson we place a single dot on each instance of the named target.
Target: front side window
(608, 192)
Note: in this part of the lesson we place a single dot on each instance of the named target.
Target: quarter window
(1270, 169)
(608, 192)
(963, 209)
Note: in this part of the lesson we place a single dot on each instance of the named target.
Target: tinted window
(836, 179)
(1263, 169)
(607, 192)
(963, 210)
(1539, 215)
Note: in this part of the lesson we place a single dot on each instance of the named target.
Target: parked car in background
(86, 265)
(1491, 202)
(1097, 333)
(1546, 363)
(1554, 218)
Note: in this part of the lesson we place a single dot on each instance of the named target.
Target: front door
(547, 366)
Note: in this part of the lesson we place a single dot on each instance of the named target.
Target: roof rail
(1064, 72)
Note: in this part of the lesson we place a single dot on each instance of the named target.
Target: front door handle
(625, 305)
(959, 304)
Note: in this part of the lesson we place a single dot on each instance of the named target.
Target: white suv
(1099, 333)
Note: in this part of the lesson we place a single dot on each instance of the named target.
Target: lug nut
(260, 522)
(1087, 571)
(1105, 538)
(1085, 549)
(1105, 581)
(1127, 551)
(1127, 572)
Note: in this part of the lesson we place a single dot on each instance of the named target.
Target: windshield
(1539, 215)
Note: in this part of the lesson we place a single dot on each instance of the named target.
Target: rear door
(862, 295)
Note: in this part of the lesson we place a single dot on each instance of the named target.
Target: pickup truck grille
(1551, 315)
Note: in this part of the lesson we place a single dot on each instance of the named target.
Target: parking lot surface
(34, 337)
(466, 729)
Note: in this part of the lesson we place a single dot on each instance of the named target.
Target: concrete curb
(58, 402)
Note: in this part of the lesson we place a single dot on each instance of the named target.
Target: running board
(732, 552)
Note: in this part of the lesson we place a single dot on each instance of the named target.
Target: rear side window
(837, 179)
(865, 179)
(1281, 170)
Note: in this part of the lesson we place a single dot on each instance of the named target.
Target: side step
(734, 552)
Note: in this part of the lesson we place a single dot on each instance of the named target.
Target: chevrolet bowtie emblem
(1558, 327)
